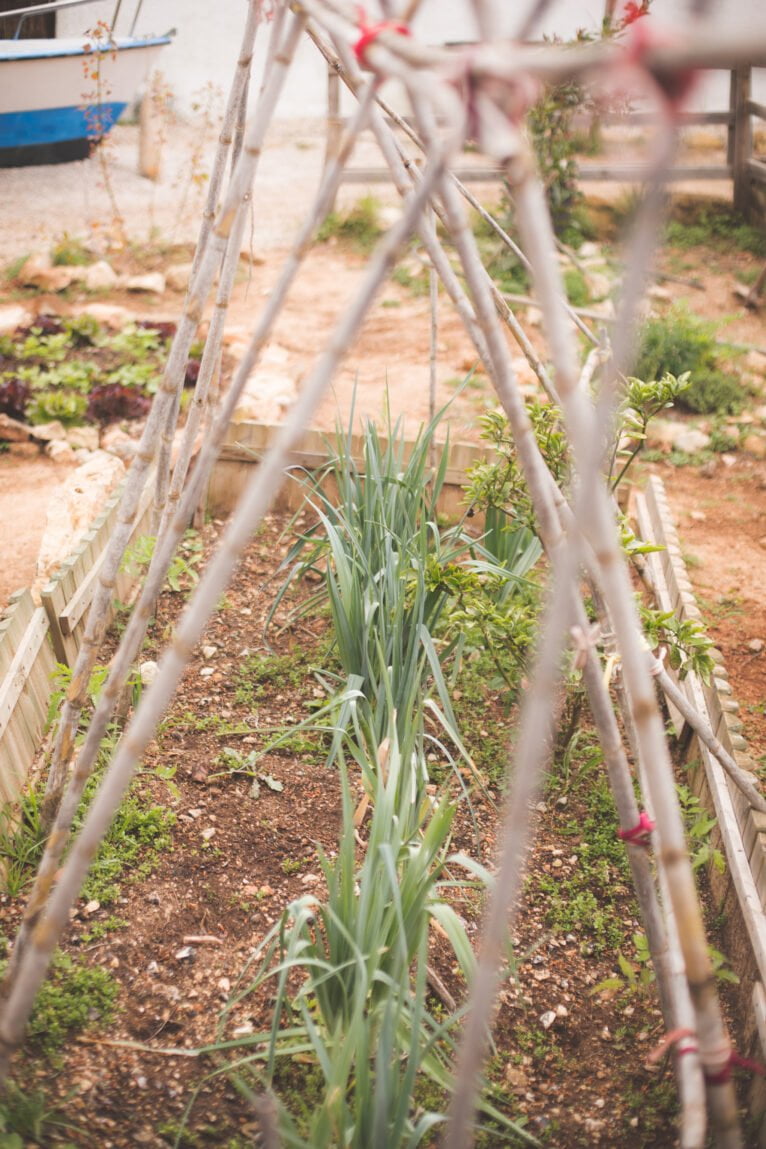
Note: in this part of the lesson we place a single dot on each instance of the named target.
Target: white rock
(60, 451)
(588, 250)
(547, 1019)
(661, 433)
(148, 672)
(208, 652)
(74, 506)
(153, 283)
(38, 271)
(12, 431)
(600, 285)
(207, 672)
(117, 442)
(12, 316)
(756, 361)
(275, 353)
(50, 431)
(177, 277)
(100, 276)
(660, 294)
(208, 833)
(110, 314)
(265, 398)
(85, 438)
(691, 440)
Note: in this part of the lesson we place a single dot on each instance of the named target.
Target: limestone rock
(153, 283)
(755, 445)
(661, 433)
(38, 271)
(100, 276)
(12, 315)
(177, 277)
(756, 361)
(110, 314)
(118, 442)
(691, 440)
(74, 506)
(49, 432)
(600, 284)
(60, 451)
(83, 438)
(266, 397)
(660, 294)
(12, 431)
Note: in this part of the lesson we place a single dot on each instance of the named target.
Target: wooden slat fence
(68, 595)
(33, 639)
(745, 169)
(739, 892)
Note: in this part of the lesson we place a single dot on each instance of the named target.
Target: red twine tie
(639, 835)
(674, 86)
(685, 1041)
(735, 1062)
(370, 33)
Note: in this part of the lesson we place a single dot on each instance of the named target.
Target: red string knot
(640, 834)
(674, 84)
(370, 32)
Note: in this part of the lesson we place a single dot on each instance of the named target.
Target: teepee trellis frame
(484, 92)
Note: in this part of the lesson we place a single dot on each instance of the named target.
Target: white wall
(205, 47)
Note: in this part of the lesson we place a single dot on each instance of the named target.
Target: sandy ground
(40, 206)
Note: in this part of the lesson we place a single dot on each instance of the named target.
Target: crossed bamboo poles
(579, 535)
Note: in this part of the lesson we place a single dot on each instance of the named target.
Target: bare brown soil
(191, 926)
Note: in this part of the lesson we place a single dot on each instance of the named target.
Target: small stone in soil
(184, 953)
(755, 645)
(547, 1019)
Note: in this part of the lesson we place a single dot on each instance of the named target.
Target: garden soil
(193, 923)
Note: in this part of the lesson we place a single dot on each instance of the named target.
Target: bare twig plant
(484, 92)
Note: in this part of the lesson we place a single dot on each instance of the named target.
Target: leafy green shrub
(715, 225)
(73, 997)
(550, 126)
(678, 343)
(360, 227)
(66, 406)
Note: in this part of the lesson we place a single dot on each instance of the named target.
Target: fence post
(334, 118)
(742, 143)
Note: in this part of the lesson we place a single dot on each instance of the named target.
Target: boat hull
(58, 99)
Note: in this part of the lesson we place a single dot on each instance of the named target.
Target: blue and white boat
(56, 100)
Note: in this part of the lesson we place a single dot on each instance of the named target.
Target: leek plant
(350, 978)
(387, 572)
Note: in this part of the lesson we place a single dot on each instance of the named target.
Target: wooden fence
(742, 167)
(33, 639)
(738, 892)
(246, 443)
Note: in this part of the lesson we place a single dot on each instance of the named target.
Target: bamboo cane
(593, 512)
(618, 765)
(252, 507)
(165, 399)
(168, 542)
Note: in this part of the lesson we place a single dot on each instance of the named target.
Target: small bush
(679, 343)
(715, 225)
(359, 228)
